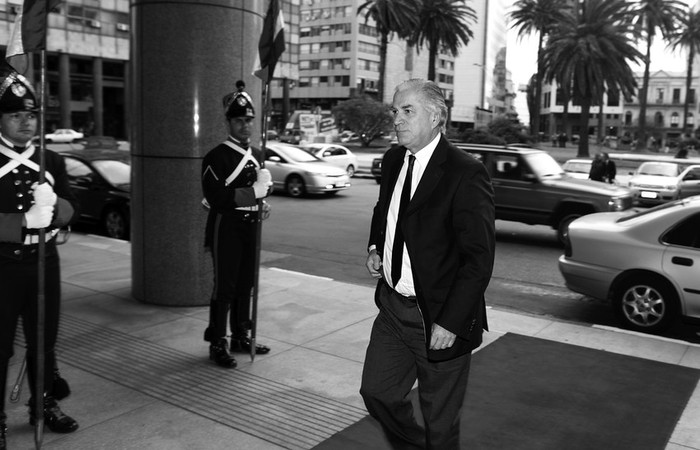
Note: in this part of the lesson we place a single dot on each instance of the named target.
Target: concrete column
(97, 97)
(185, 56)
(64, 90)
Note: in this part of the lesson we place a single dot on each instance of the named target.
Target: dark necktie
(397, 250)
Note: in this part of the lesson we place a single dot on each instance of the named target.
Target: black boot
(60, 389)
(3, 436)
(209, 335)
(54, 418)
(242, 345)
(218, 352)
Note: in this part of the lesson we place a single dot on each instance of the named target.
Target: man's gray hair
(431, 93)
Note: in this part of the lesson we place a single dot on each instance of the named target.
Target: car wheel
(563, 227)
(115, 224)
(350, 171)
(295, 186)
(646, 303)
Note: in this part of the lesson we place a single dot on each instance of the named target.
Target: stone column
(185, 56)
(64, 90)
(97, 97)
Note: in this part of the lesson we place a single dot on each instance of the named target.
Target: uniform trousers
(396, 357)
(18, 287)
(233, 253)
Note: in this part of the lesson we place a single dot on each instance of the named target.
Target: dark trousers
(396, 357)
(233, 253)
(18, 289)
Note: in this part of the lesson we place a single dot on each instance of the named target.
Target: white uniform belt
(247, 208)
(32, 239)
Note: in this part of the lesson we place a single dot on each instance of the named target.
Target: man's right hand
(374, 264)
(39, 216)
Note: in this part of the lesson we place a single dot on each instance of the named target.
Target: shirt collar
(423, 155)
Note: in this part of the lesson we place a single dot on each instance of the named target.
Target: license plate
(647, 194)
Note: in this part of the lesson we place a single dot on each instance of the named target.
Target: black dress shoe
(54, 419)
(60, 389)
(218, 352)
(209, 335)
(243, 345)
(3, 436)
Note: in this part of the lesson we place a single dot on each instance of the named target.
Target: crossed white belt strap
(20, 159)
(247, 156)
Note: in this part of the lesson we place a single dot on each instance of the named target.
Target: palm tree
(390, 16)
(687, 36)
(537, 16)
(651, 15)
(592, 47)
(443, 25)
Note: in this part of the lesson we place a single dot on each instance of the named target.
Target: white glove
(44, 194)
(39, 216)
(263, 183)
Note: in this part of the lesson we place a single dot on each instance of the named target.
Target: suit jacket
(449, 232)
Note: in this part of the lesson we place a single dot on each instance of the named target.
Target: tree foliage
(443, 26)
(687, 36)
(365, 116)
(592, 49)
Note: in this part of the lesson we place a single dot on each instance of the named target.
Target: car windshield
(658, 169)
(578, 167)
(544, 165)
(116, 172)
(296, 154)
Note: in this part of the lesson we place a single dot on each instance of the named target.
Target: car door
(681, 262)
(335, 156)
(690, 182)
(275, 163)
(88, 186)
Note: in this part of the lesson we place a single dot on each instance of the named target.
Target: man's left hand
(440, 338)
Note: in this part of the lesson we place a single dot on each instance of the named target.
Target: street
(327, 237)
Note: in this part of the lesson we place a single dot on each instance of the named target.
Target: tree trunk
(432, 53)
(538, 88)
(382, 66)
(688, 82)
(642, 132)
(601, 122)
(583, 124)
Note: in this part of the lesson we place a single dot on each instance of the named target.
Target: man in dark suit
(433, 254)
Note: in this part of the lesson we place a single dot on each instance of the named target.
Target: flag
(29, 31)
(271, 44)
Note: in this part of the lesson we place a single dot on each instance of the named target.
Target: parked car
(298, 172)
(101, 180)
(376, 169)
(578, 168)
(63, 135)
(348, 136)
(291, 136)
(532, 188)
(336, 155)
(659, 182)
(645, 263)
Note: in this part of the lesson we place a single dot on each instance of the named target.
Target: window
(685, 234)
(659, 119)
(659, 95)
(613, 100)
(690, 119)
(675, 119)
(628, 118)
(676, 96)
(692, 96)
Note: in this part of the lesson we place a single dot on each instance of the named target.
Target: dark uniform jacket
(223, 199)
(16, 199)
(449, 230)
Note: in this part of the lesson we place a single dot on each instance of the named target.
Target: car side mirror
(276, 159)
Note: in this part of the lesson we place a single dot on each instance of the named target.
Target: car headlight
(617, 204)
(671, 187)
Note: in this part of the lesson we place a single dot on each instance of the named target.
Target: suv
(532, 188)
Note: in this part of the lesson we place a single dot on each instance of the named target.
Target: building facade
(86, 64)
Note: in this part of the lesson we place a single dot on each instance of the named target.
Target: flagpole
(258, 234)
(40, 310)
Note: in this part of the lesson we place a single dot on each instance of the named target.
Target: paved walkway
(141, 378)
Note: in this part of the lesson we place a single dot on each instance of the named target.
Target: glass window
(686, 233)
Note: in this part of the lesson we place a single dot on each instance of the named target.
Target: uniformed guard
(25, 208)
(233, 182)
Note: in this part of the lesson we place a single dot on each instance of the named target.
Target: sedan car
(101, 180)
(578, 168)
(645, 263)
(297, 172)
(63, 135)
(336, 155)
(658, 182)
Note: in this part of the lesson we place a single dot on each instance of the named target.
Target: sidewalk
(141, 377)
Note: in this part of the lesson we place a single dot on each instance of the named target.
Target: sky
(521, 60)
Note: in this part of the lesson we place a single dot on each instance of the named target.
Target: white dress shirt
(405, 286)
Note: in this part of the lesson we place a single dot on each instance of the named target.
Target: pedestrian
(610, 171)
(597, 172)
(26, 207)
(431, 247)
(233, 182)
